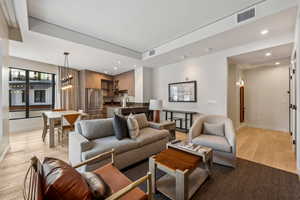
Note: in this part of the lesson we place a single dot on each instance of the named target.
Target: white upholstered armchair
(218, 133)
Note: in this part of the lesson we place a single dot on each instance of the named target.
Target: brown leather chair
(122, 187)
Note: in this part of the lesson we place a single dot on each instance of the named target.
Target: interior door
(242, 104)
(293, 99)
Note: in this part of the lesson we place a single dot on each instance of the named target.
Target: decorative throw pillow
(97, 185)
(133, 127)
(214, 129)
(120, 127)
(142, 120)
(62, 182)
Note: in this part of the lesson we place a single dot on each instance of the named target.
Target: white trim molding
(8, 8)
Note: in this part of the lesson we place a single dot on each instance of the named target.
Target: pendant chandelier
(67, 76)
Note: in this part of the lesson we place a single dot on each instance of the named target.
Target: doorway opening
(261, 95)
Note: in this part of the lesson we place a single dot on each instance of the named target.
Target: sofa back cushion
(97, 128)
(141, 119)
(120, 127)
(217, 129)
(62, 182)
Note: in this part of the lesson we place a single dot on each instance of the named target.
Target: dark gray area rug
(249, 181)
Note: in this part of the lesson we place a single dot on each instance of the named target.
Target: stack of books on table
(190, 146)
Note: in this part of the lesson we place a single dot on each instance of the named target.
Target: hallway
(271, 148)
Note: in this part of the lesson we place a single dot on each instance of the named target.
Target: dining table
(54, 116)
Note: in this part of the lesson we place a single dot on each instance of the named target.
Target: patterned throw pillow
(133, 127)
(142, 120)
(214, 129)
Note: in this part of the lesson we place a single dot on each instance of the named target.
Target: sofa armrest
(230, 134)
(155, 125)
(77, 145)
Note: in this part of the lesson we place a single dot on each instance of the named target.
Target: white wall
(32, 123)
(297, 49)
(235, 74)
(211, 74)
(4, 62)
(266, 97)
(147, 84)
(143, 84)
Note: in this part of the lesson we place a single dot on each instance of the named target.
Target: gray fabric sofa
(93, 137)
(224, 148)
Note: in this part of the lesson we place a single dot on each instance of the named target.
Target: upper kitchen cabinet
(91, 79)
(125, 82)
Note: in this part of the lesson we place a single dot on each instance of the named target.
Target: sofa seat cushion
(215, 142)
(110, 174)
(150, 135)
(107, 143)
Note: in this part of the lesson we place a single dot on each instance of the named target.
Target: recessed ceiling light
(134, 65)
(105, 72)
(268, 54)
(119, 62)
(277, 63)
(264, 32)
(115, 68)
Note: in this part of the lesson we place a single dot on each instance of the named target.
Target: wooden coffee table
(184, 172)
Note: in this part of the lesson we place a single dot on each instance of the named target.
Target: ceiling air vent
(248, 14)
(151, 52)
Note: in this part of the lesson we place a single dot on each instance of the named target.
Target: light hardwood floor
(271, 148)
(266, 147)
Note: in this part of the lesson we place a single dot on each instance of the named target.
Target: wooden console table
(188, 116)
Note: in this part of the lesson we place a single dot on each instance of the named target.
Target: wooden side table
(183, 173)
(168, 125)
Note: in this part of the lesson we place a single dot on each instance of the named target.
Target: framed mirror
(183, 91)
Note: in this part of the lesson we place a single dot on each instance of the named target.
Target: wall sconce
(240, 83)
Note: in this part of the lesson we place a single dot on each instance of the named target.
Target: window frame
(41, 94)
(27, 88)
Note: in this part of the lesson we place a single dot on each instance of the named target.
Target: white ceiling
(258, 58)
(136, 24)
(49, 49)
(282, 23)
(43, 48)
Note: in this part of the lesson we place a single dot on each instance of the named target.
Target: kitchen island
(134, 108)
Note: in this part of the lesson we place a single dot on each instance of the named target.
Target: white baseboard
(6, 150)
(241, 126)
(267, 127)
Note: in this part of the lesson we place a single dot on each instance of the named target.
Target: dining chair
(47, 126)
(68, 124)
